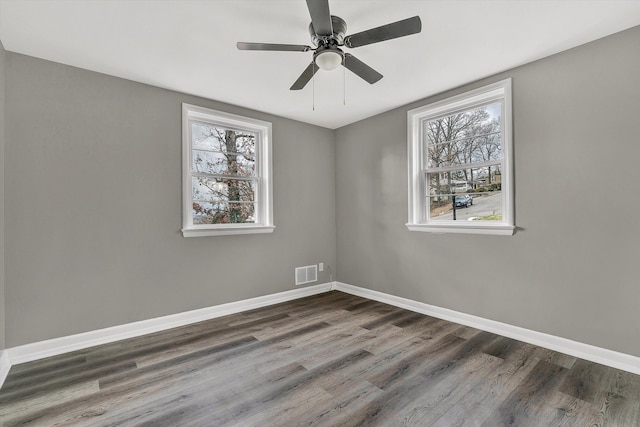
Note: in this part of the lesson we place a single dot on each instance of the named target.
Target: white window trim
(417, 221)
(264, 201)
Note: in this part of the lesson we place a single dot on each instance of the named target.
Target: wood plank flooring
(328, 360)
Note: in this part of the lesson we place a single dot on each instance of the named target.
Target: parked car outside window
(464, 200)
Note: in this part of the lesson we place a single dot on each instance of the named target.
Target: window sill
(226, 231)
(495, 229)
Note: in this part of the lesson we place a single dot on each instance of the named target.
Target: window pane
(477, 193)
(469, 207)
(206, 189)
(484, 179)
(221, 201)
(222, 163)
(209, 137)
(223, 213)
(465, 137)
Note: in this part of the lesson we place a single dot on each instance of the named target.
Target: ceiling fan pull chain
(344, 83)
(313, 83)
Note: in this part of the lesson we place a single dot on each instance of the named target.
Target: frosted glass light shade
(328, 60)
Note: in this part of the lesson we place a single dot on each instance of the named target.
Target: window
(226, 169)
(460, 167)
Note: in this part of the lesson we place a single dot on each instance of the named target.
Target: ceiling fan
(328, 36)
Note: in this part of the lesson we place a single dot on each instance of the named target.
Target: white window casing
(420, 191)
(262, 186)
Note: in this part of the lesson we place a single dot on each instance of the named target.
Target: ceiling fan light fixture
(328, 59)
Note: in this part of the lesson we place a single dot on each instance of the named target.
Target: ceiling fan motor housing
(337, 38)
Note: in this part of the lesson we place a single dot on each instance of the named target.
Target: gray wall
(2, 144)
(93, 206)
(572, 268)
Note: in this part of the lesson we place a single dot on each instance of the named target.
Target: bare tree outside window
(461, 163)
(227, 185)
(463, 154)
(223, 175)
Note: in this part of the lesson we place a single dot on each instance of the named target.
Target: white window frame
(264, 188)
(418, 216)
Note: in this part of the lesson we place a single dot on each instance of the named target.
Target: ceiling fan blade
(304, 78)
(361, 69)
(320, 17)
(273, 46)
(386, 32)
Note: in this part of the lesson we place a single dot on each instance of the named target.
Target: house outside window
(226, 173)
(460, 164)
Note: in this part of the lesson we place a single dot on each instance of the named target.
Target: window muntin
(461, 146)
(227, 173)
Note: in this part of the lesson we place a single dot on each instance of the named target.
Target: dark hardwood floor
(328, 360)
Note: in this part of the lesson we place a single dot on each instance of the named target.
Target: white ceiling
(189, 45)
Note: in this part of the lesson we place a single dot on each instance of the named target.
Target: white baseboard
(5, 365)
(600, 355)
(40, 350)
